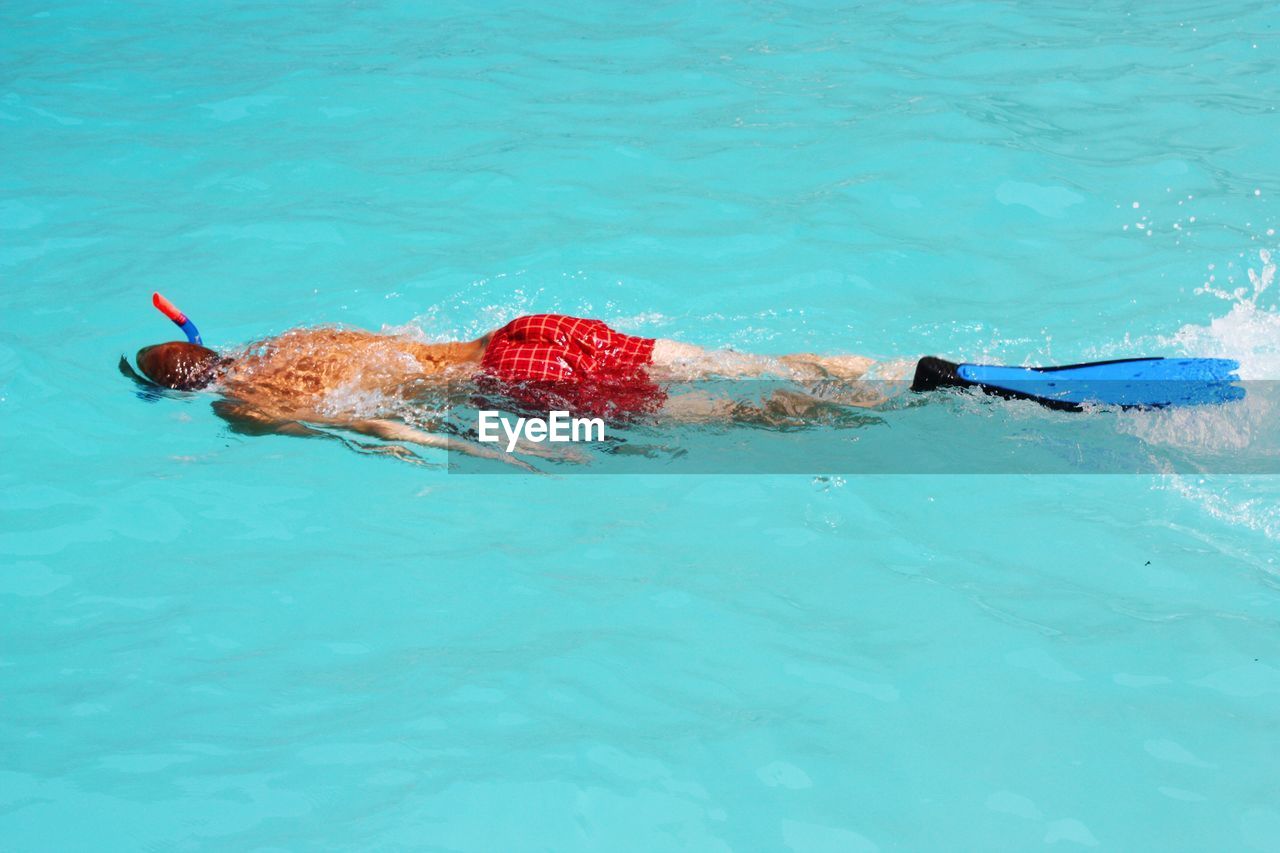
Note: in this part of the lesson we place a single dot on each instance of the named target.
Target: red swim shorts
(549, 361)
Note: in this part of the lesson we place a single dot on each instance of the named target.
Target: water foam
(1250, 333)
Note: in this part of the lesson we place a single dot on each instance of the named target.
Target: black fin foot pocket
(934, 373)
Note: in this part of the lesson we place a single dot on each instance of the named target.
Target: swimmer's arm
(248, 420)
(397, 431)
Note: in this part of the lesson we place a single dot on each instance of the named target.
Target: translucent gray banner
(829, 427)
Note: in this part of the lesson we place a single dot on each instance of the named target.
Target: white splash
(1250, 333)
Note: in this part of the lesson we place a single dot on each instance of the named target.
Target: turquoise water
(213, 641)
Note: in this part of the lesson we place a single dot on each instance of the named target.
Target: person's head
(180, 365)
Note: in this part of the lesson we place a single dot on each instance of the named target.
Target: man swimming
(351, 378)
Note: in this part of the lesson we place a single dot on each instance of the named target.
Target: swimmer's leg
(811, 366)
(781, 409)
(677, 361)
(697, 407)
(827, 380)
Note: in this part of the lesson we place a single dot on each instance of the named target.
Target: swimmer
(345, 377)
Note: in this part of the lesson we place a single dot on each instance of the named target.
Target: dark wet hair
(180, 365)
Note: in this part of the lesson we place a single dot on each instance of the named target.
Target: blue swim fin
(1130, 383)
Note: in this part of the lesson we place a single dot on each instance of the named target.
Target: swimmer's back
(297, 369)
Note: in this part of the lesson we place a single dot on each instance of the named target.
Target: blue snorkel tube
(171, 311)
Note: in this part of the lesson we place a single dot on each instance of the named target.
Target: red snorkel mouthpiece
(179, 319)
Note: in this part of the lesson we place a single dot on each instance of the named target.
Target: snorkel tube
(171, 311)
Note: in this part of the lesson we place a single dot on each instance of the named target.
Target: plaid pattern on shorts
(554, 361)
